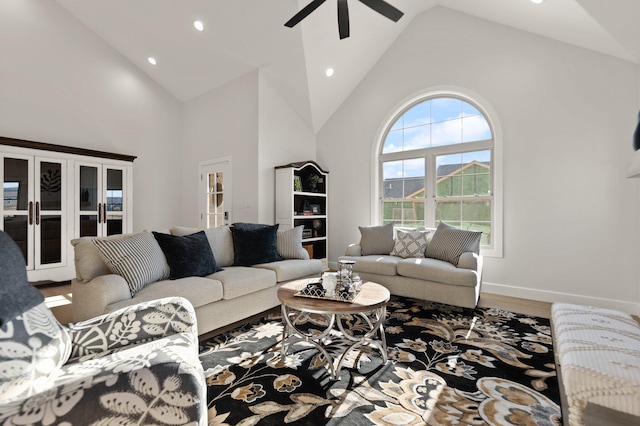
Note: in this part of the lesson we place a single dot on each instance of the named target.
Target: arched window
(436, 162)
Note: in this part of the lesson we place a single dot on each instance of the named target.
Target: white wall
(284, 139)
(571, 222)
(221, 123)
(61, 84)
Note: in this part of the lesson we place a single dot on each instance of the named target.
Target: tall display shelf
(301, 199)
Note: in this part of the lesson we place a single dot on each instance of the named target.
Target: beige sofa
(379, 257)
(219, 299)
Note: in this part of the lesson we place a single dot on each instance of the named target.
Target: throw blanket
(16, 294)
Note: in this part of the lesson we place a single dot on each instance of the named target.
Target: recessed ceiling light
(151, 60)
(537, 1)
(198, 25)
(329, 72)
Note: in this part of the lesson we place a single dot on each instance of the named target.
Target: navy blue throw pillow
(254, 243)
(187, 256)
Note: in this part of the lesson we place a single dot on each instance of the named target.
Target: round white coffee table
(370, 304)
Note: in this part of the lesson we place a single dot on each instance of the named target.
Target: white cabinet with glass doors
(101, 204)
(52, 194)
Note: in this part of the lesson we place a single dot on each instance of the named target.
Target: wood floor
(59, 299)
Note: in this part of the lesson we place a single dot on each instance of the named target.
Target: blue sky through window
(436, 122)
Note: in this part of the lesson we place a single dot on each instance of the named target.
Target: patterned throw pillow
(136, 257)
(376, 239)
(289, 243)
(410, 244)
(448, 243)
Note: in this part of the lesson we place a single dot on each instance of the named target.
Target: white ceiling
(244, 35)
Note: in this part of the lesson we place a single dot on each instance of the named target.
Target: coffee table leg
(292, 335)
(368, 338)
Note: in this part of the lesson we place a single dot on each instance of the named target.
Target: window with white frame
(436, 164)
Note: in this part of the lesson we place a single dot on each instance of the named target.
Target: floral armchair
(138, 365)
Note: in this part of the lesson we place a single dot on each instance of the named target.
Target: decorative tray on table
(315, 290)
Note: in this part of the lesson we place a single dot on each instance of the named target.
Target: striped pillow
(448, 243)
(289, 243)
(138, 258)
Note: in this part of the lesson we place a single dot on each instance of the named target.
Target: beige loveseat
(440, 265)
(221, 298)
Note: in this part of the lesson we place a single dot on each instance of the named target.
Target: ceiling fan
(380, 6)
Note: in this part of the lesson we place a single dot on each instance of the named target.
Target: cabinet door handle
(30, 212)
(104, 212)
(99, 212)
(37, 212)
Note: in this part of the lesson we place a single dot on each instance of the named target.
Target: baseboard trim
(554, 296)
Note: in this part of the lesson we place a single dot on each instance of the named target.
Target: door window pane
(89, 225)
(16, 228)
(50, 186)
(88, 188)
(16, 184)
(50, 239)
(114, 190)
(215, 199)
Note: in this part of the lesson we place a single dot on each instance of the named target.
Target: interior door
(215, 193)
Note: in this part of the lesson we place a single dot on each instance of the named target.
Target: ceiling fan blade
(343, 19)
(304, 12)
(384, 8)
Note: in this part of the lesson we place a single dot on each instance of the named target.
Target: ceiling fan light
(198, 25)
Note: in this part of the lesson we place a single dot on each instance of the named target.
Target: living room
(564, 113)
(562, 109)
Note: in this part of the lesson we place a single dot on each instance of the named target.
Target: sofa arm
(131, 325)
(91, 299)
(353, 250)
(470, 260)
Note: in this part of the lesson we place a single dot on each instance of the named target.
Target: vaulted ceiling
(244, 35)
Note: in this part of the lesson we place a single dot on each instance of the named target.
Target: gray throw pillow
(448, 243)
(376, 239)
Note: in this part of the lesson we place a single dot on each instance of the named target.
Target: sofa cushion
(374, 264)
(291, 269)
(220, 240)
(88, 260)
(289, 243)
(136, 257)
(448, 243)
(239, 280)
(199, 291)
(438, 271)
(410, 244)
(187, 256)
(254, 243)
(376, 239)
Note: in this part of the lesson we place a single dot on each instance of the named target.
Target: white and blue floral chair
(138, 365)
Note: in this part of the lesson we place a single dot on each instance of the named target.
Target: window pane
(417, 115)
(50, 186)
(475, 128)
(406, 214)
(16, 184)
(416, 137)
(468, 215)
(464, 174)
(446, 132)
(393, 142)
(403, 179)
(444, 109)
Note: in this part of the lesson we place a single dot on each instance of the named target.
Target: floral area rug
(444, 368)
